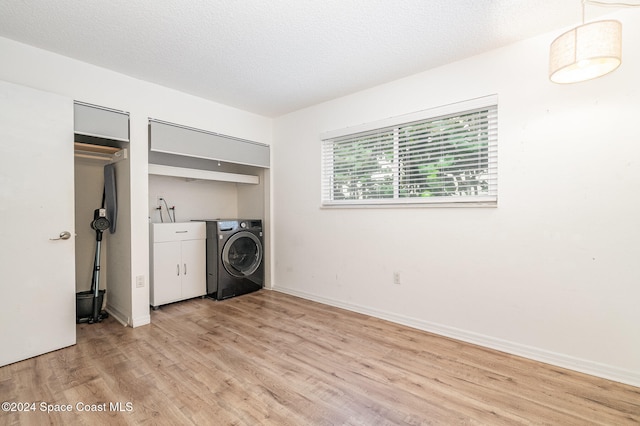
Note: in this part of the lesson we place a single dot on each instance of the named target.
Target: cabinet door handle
(178, 269)
(185, 269)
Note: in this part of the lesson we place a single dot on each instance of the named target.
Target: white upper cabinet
(174, 139)
(101, 122)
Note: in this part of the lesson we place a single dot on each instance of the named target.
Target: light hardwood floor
(268, 358)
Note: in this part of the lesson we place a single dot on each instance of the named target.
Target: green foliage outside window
(445, 157)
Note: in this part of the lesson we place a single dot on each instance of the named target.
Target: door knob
(64, 235)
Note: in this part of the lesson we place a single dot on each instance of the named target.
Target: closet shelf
(197, 174)
(99, 152)
(78, 146)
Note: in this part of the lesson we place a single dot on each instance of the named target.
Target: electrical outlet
(396, 277)
(139, 281)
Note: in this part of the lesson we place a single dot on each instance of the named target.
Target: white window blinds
(442, 158)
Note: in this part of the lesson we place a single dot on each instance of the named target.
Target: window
(443, 156)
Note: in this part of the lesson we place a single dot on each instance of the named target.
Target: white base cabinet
(178, 262)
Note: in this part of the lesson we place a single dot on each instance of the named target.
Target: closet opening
(102, 188)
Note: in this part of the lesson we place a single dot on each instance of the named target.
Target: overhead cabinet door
(97, 121)
(170, 138)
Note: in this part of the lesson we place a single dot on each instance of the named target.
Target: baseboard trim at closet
(117, 315)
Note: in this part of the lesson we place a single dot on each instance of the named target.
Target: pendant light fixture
(586, 52)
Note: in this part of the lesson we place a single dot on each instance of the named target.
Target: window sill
(479, 202)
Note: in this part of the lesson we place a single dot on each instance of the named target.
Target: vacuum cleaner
(89, 303)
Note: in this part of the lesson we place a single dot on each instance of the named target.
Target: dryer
(235, 257)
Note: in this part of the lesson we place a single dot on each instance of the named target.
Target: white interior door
(37, 282)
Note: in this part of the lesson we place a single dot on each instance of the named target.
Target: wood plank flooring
(268, 358)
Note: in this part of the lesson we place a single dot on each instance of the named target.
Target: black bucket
(84, 304)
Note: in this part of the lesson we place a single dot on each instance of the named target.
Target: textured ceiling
(277, 56)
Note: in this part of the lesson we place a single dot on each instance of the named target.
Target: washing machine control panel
(233, 225)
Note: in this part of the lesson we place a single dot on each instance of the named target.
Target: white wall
(552, 273)
(199, 199)
(40, 69)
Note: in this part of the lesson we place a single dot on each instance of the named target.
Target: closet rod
(92, 155)
(101, 149)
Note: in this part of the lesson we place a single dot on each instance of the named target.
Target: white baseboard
(119, 316)
(537, 354)
(141, 320)
(123, 319)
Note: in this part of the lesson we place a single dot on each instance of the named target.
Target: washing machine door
(242, 254)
